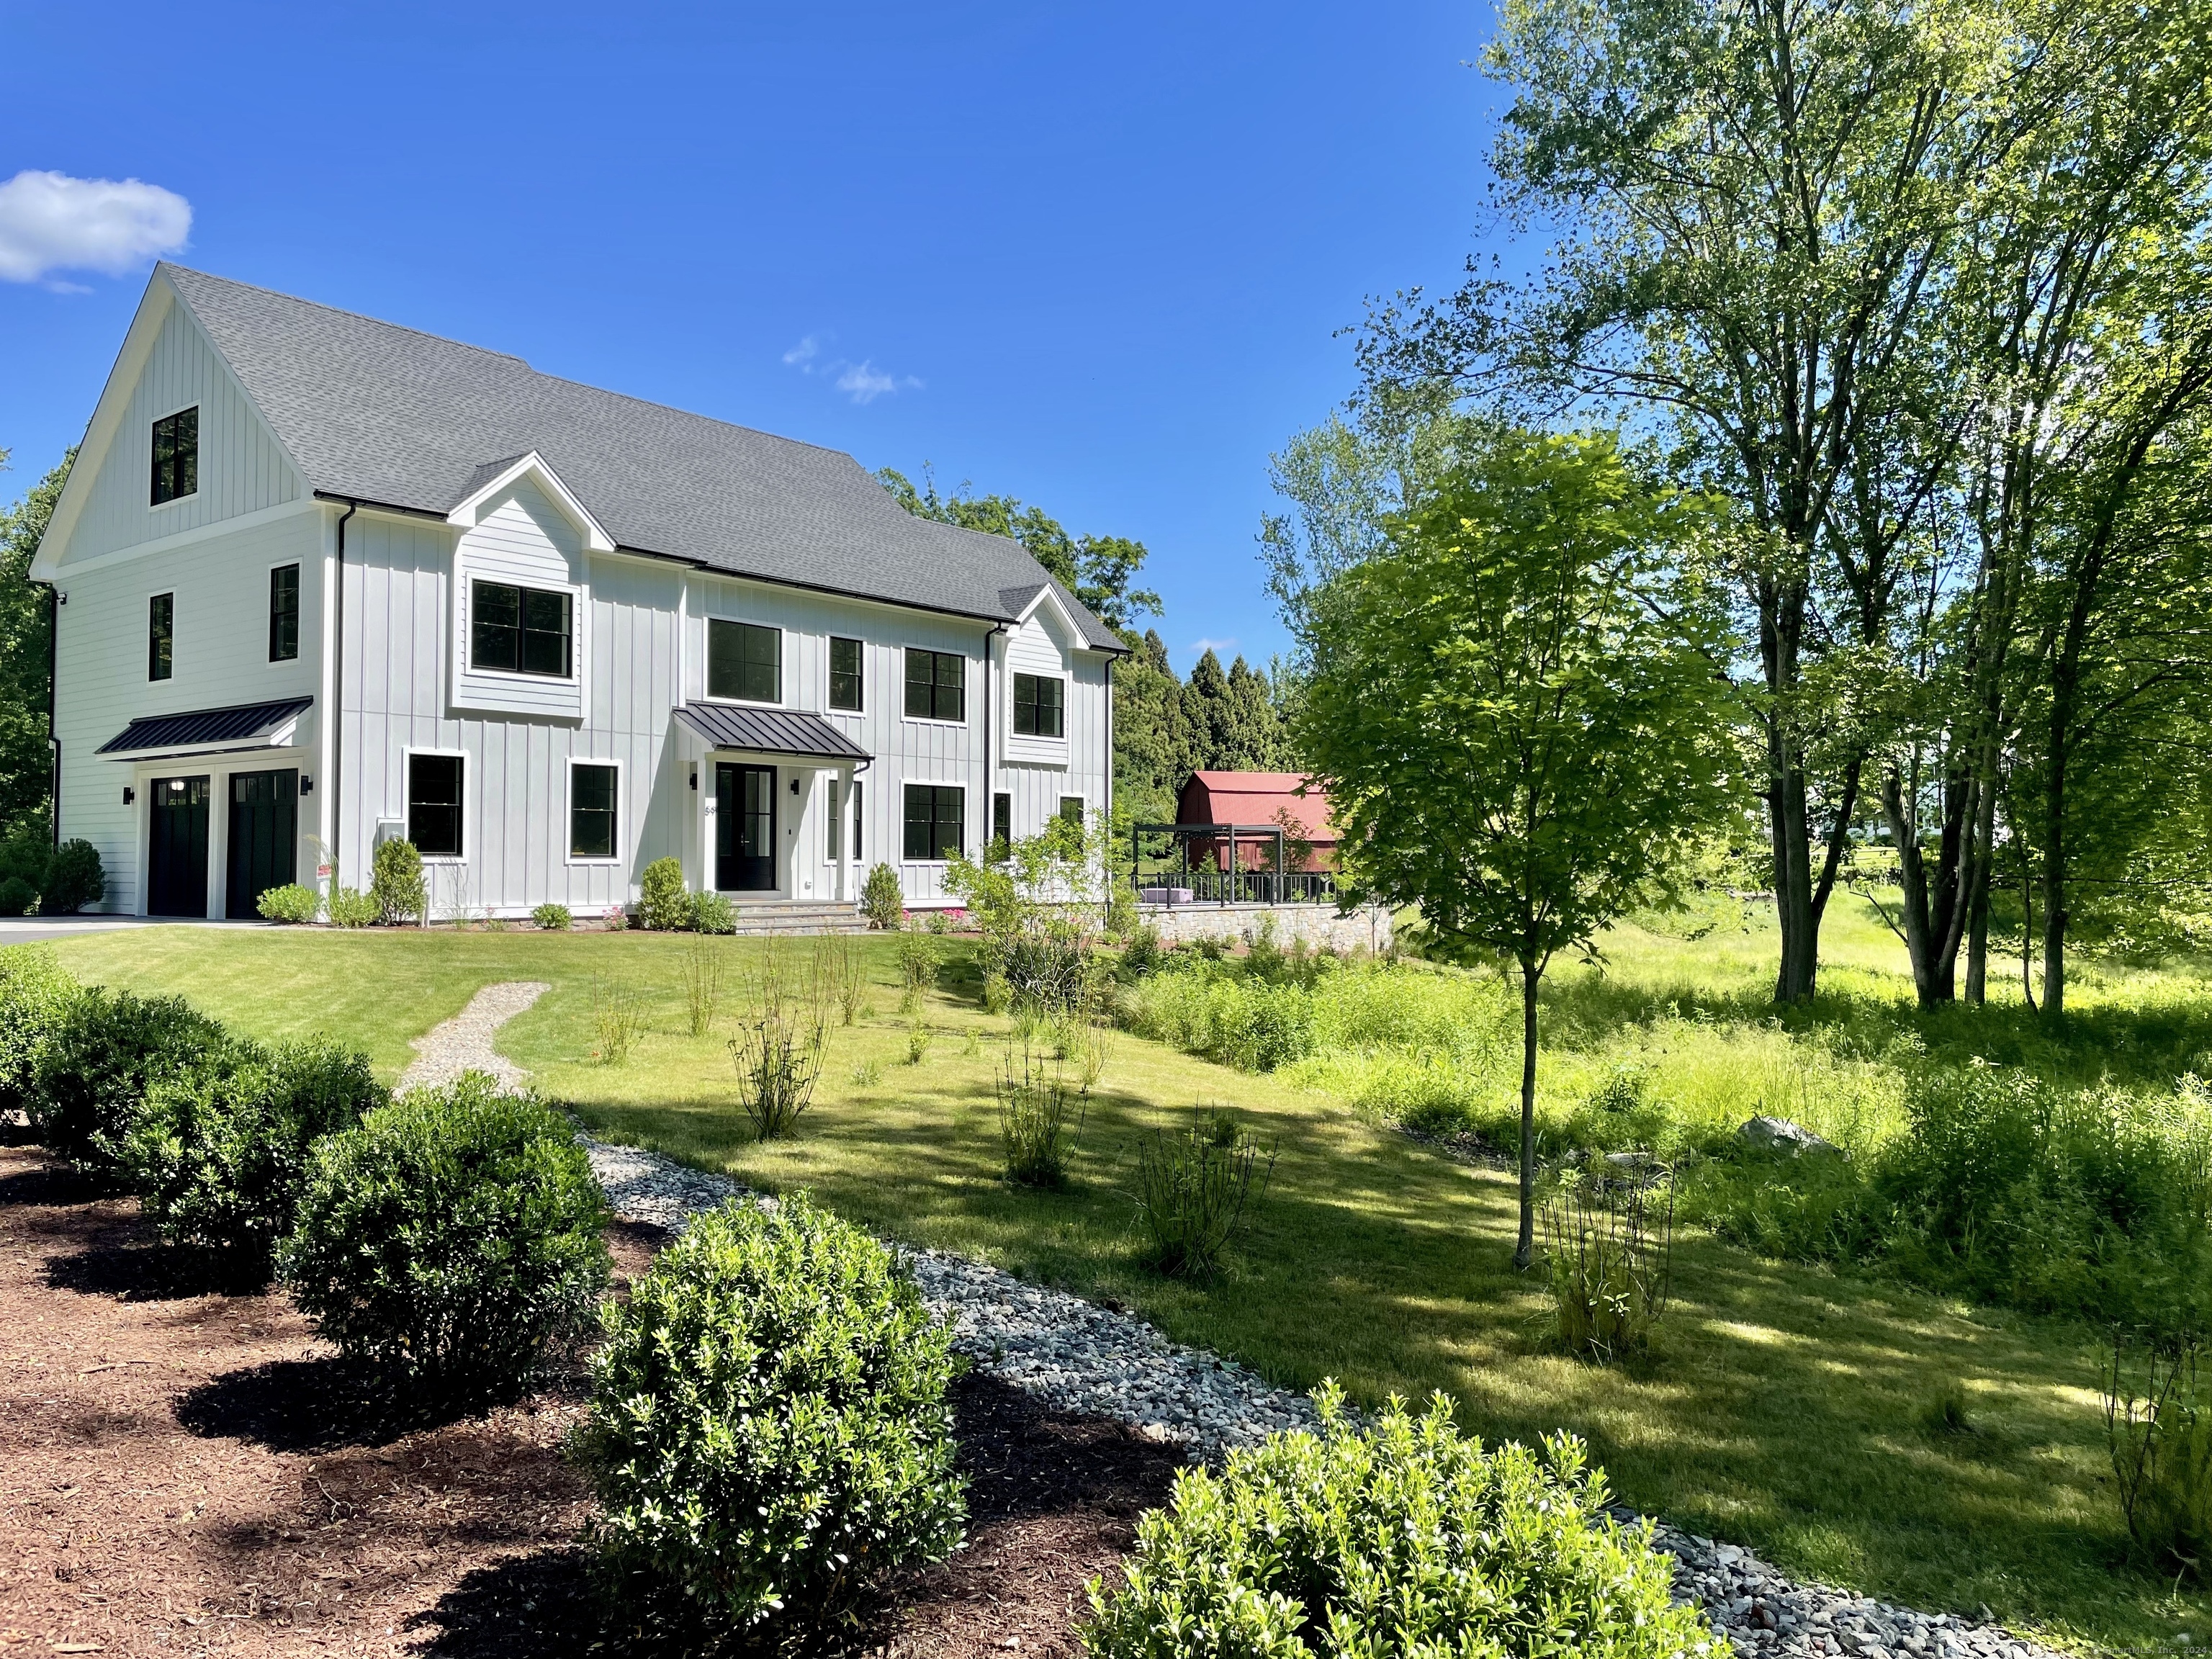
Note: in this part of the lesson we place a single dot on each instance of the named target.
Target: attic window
(177, 455)
(519, 631)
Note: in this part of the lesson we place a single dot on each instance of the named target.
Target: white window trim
(569, 808)
(829, 673)
(967, 697)
(406, 801)
(299, 640)
(194, 494)
(707, 665)
(1066, 702)
(146, 599)
(966, 786)
(465, 614)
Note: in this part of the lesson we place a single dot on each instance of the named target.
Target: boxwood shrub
(768, 1432)
(96, 1067)
(1404, 1539)
(451, 1240)
(35, 992)
(222, 1154)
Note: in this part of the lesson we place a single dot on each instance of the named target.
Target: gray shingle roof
(378, 413)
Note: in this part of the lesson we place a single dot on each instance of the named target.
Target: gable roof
(373, 412)
(1256, 798)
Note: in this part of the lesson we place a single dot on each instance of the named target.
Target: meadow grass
(1781, 1405)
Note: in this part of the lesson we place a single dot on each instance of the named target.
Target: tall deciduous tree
(1520, 730)
(1755, 202)
(25, 758)
(1099, 570)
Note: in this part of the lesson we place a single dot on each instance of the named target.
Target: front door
(179, 875)
(265, 837)
(744, 828)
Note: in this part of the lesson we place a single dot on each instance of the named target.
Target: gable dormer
(520, 593)
(175, 447)
(1037, 688)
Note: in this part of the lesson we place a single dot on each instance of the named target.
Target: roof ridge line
(340, 310)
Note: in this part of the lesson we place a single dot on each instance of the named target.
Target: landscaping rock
(1779, 1134)
(1079, 1356)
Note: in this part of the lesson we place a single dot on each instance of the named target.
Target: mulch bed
(188, 1471)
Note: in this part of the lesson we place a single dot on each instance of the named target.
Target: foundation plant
(769, 1434)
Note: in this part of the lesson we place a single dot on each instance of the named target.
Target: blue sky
(1095, 257)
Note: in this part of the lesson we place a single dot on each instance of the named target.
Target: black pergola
(1222, 838)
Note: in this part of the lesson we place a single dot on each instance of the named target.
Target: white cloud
(1199, 647)
(50, 221)
(863, 382)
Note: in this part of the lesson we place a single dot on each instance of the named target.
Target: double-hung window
(936, 820)
(434, 804)
(1040, 705)
(744, 662)
(284, 613)
(160, 635)
(521, 630)
(176, 456)
(1071, 810)
(593, 788)
(936, 685)
(845, 674)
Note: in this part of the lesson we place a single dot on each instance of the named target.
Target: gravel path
(1080, 1356)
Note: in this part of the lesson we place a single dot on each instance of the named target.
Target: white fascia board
(470, 512)
(1049, 594)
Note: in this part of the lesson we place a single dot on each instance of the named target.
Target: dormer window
(1039, 705)
(177, 455)
(519, 630)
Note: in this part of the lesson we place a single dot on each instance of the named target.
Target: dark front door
(179, 884)
(744, 828)
(265, 837)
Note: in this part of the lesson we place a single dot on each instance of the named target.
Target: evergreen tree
(1153, 748)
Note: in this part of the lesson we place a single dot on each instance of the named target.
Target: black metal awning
(247, 724)
(772, 732)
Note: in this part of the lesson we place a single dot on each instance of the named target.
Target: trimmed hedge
(450, 1240)
(223, 1155)
(1406, 1541)
(35, 992)
(101, 1057)
(768, 1432)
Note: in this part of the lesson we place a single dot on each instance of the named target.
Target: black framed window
(160, 635)
(1002, 819)
(1071, 810)
(592, 789)
(936, 685)
(845, 674)
(856, 817)
(936, 820)
(744, 660)
(434, 804)
(837, 822)
(1039, 706)
(519, 630)
(284, 613)
(177, 456)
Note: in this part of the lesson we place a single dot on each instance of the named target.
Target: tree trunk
(1525, 1250)
(2054, 857)
(1794, 915)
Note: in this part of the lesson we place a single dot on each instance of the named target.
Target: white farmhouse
(323, 582)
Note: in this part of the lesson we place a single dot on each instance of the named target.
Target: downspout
(53, 698)
(1107, 838)
(990, 698)
(336, 713)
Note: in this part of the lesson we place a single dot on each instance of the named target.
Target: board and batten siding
(242, 468)
(523, 540)
(220, 659)
(515, 784)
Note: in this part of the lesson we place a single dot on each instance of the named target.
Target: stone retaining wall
(1318, 925)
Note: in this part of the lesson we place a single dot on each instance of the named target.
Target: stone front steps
(832, 917)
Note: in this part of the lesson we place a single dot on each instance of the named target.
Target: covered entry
(744, 828)
(265, 837)
(177, 884)
(756, 773)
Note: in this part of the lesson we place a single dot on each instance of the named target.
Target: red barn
(1256, 798)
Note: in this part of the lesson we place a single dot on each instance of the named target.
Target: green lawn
(1780, 1410)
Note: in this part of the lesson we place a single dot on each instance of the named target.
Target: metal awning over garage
(208, 731)
(773, 732)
